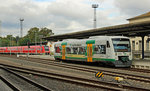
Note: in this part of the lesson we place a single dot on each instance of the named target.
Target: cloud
(132, 7)
(64, 16)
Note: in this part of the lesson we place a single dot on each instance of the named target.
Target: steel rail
(40, 86)
(80, 80)
(8, 83)
(94, 70)
(76, 80)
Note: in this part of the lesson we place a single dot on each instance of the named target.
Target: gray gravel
(4, 87)
(58, 85)
(18, 82)
(62, 85)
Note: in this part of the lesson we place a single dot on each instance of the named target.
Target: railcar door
(89, 52)
(63, 51)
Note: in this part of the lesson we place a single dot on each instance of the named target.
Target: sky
(66, 16)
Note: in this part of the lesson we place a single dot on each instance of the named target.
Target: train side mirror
(107, 43)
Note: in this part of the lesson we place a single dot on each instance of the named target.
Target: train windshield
(121, 45)
(46, 48)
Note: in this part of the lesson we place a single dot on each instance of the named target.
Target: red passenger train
(24, 49)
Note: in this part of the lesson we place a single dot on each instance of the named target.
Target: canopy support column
(143, 46)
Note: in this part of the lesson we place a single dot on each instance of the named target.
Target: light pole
(0, 33)
(94, 6)
(21, 28)
(35, 41)
(10, 45)
(41, 42)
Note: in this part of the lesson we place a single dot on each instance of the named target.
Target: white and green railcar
(111, 50)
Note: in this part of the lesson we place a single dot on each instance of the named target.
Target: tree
(46, 32)
(35, 33)
(11, 40)
(33, 36)
(23, 41)
(4, 42)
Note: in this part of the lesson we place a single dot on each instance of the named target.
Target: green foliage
(46, 32)
(23, 41)
(4, 42)
(34, 35)
(9, 40)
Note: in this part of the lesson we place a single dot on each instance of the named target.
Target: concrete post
(143, 46)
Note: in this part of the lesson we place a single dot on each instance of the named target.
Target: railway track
(94, 70)
(126, 69)
(127, 75)
(29, 81)
(9, 84)
(74, 79)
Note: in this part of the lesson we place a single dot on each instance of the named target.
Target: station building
(136, 42)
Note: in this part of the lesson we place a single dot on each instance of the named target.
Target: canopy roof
(134, 29)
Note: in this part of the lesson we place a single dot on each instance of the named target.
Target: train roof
(106, 37)
(91, 38)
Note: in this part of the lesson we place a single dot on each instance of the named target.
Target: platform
(141, 63)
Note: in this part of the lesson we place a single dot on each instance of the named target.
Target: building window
(133, 45)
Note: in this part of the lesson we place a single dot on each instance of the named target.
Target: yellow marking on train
(89, 52)
(72, 55)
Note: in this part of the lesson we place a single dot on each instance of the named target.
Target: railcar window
(82, 50)
(68, 50)
(46, 48)
(100, 49)
(108, 45)
(121, 45)
(57, 49)
(2, 49)
(75, 50)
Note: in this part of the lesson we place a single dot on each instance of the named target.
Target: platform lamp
(41, 36)
(94, 6)
(21, 28)
(35, 41)
(0, 34)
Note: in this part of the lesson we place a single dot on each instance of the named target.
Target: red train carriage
(24, 49)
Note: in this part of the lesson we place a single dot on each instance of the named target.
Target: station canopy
(130, 30)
